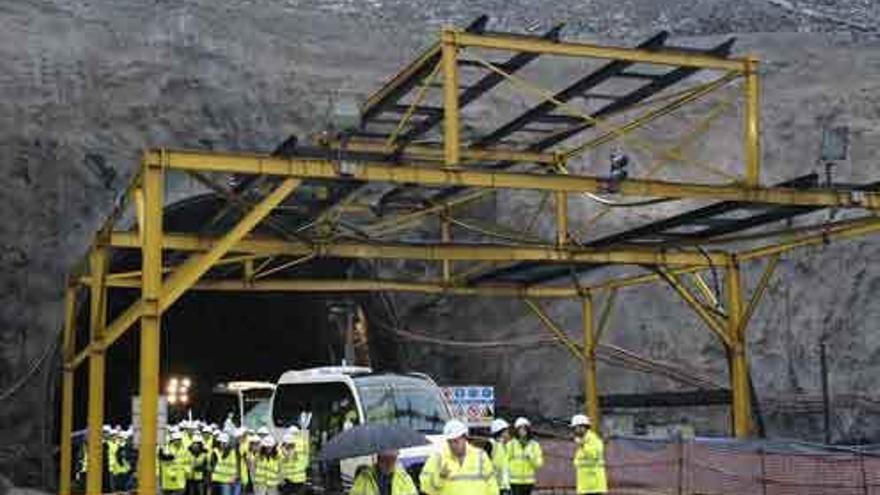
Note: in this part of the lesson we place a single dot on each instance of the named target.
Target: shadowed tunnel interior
(220, 336)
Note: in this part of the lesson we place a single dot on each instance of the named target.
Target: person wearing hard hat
(293, 469)
(386, 477)
(173, 461)
(197, 474)
(525, 456)
(267, 475)
(227, 467)
(497, 450)
(459, 468)
(589, 458)
(119, 456)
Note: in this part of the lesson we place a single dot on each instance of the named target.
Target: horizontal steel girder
(434, 176)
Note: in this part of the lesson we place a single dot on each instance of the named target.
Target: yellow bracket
(715, 324)
(554, 329)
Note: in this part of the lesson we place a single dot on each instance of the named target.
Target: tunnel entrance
(213, 336)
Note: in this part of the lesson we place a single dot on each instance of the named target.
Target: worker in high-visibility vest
(199, 468)
(526, 458)
(267, 468)
(174, 465)
(497, 449)
(293, 469)
(459, 468)
(227, 467)
(589, 458)
(118, 460)
(386, 477)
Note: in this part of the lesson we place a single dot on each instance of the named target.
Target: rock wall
(87, 83)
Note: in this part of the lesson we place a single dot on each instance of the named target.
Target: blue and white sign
(474, 404)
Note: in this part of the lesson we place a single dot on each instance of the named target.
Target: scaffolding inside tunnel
(360, 193)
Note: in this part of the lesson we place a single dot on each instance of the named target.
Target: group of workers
(508, 465)
(200, 459)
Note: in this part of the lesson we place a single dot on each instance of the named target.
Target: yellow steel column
(97, 322)
(150, 326)
(561, 218)
(752, 132)
(739, 371)
(591, 384)
(68, 347)
(451, 129)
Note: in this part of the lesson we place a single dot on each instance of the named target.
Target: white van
(331, 399)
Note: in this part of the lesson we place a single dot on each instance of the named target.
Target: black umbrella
(370, 438)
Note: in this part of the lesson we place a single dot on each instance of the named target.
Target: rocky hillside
(84, 84)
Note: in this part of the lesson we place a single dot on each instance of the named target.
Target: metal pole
(739, 371)
(752, 134)
(451, 129)
(97, 366)
(445, 237)
(826, 400)
(150, 326)
(591, 385)
(67, 384)
(561, 218)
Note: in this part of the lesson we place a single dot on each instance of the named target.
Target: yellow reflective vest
(294, 463)
(501, 463)
(116, 465)
(173, 471)
(267, 470)
(525, 459)
(225, 468)
(443, 474)
(589, 464)
(366, 482)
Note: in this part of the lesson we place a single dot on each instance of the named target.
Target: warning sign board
(473, 404)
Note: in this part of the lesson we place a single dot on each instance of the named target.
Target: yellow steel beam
(98, 263)
(437, 252)
(554, 329)
(591, 382)
(402, 76)
(196, 266)
(367, 171)
(139, 210)
(446, 237)
(370, 285)
(752, 130)
(739, 370)
(399, 222)
(653, 114)
(859, 228)
(451, 116)
(68, 349)
(151, 320)
(605, 315)
(704, 289)
(561, 219)
(533, 45)
(759, 291)
(418, 152)
(712, 321)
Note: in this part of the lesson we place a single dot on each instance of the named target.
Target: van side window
(331, 405)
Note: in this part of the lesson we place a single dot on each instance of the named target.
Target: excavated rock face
(87, 84)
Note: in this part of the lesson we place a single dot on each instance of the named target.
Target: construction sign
(473, 404)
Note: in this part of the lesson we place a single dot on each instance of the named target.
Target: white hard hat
(293, 429)
(263, 431)
(521, 421)
(176, 435)
(223, 438)
(107, 429)
(197, 438)
(288, 438)
(498, 425)
(240, 431)
(206, 428)
(580, 420)
(454, 429)
(268, 441)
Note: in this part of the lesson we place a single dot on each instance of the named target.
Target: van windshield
(404, 401)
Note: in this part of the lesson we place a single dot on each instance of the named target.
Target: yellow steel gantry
(452, 164)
